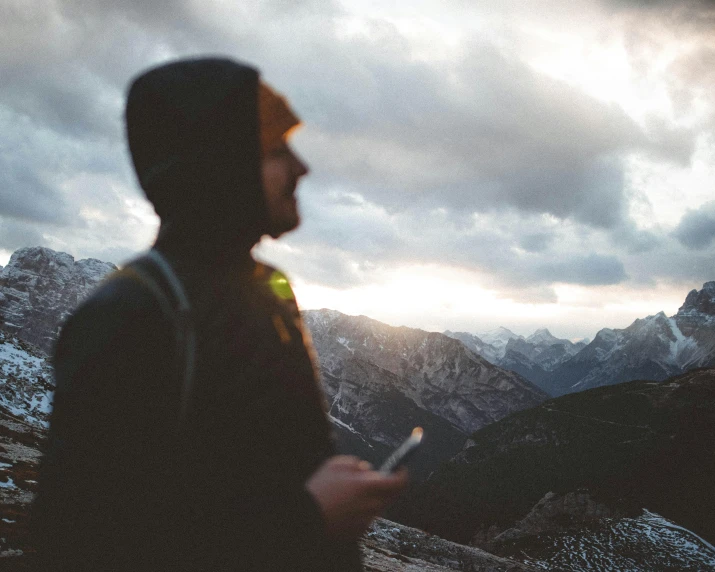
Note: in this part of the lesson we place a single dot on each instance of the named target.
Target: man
(244, 477)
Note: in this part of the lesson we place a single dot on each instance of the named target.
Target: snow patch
(350, 428)
(681, 343)
(10, 484)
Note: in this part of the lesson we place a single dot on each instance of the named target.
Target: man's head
(203, 135)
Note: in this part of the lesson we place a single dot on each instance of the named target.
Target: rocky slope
(38, 289)
(389, 546)
(634, 446)
(646, 542)
(381, 381)
(654, 348)
(25, 381)
(20, 446)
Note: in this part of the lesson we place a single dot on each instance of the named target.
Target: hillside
(381, 381)
(636, 445)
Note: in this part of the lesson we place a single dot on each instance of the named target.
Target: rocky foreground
(389, 546)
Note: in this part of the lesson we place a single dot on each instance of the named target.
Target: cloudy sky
(473, 164)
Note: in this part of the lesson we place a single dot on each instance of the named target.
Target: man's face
(281, 171)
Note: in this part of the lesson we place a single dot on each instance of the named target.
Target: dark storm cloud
(25, 195)
(696, 229)
(631, 240)
(672, 263)
(16, 234)
(65, 65)
(536, 242)
(589, 270)
(480, 132)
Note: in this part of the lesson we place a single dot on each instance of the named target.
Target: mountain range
(382, 381)
(655, 347)
(533, 357)
(39, 287)
(504, 468)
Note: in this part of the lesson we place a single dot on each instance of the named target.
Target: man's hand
(351, 494)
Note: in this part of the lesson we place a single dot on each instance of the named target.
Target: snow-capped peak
(499, 337)
(542, 336)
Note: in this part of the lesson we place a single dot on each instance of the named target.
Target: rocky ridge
(554, 513)
(381, 381)
(641, 543)
(533, 357)
(439, 374)
(655, 347)
(389, 546)
(40, 287)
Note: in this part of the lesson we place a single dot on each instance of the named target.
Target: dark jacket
(120, 489)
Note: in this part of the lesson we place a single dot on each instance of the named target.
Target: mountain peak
(500, 335)
(702, 301)
(39, 287)
(541, 336)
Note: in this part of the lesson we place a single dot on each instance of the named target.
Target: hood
(193, 134)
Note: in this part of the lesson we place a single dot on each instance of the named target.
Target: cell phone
(400, 455)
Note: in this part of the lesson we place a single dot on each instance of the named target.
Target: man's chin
(284, 227)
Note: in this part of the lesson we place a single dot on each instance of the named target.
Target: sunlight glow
(437, 298)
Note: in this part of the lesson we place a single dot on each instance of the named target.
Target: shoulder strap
(180, 313)
(186, 335)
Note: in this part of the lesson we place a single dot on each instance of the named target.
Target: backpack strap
(178, 311)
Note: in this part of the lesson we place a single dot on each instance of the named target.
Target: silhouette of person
(250, 480)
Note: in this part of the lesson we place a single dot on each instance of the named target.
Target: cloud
(696, 229)
(24, 195)
(350, 241)
(27, 173)
(590, 270)
(536, 242)
(481, 132)
(16, 234)
(472, 159)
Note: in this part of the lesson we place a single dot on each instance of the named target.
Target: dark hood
(193, 133)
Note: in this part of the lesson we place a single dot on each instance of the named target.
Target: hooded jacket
(119, 489)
